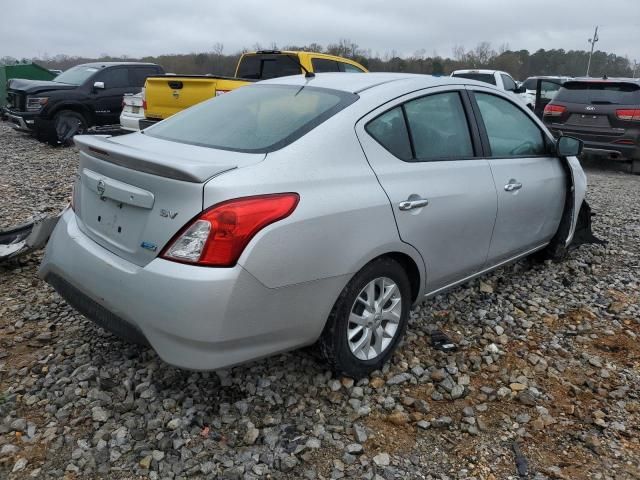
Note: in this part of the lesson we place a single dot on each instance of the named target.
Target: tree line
(519, 63)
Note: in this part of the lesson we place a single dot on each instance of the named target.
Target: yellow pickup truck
(165, 95)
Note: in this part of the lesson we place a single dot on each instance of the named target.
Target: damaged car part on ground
(221, 245)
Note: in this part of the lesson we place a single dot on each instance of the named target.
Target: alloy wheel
(374, 318)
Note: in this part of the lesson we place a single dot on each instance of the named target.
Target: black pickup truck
(82, 97)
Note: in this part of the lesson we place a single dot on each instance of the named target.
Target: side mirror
(569, 146)
(98, 85)
(519, 89)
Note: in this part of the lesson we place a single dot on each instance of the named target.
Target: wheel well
(412, 271)
(74, 108)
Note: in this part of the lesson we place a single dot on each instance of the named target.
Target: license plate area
(114, 222)
(114, 212)
(135, 110)
(589, 120)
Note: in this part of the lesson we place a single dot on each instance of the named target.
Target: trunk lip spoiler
(100, 147)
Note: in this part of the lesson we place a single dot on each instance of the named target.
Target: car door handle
(414, 203)
(512, 186)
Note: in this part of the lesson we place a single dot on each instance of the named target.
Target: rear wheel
(368, 320)
(68, 123)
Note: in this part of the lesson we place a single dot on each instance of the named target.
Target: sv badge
(168, 214)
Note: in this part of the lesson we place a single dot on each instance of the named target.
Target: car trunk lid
(133, 195)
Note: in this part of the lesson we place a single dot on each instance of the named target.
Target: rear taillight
(218, 236)
(629, 114)
(553, 110)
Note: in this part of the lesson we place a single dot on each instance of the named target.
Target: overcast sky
(144, 27)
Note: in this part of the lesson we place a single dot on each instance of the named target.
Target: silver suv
(297, 210)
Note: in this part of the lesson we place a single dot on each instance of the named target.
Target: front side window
(254, 119)
(390, 131)
(114, 78)
(438, 127)
(511, 132)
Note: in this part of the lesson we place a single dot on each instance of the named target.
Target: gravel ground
(548, 361)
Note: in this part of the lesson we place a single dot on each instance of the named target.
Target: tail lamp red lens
(218, 236)
(629, 114)
(553, 110)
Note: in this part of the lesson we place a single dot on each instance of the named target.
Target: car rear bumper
(604, 143)
(130, 122)
(194, 317)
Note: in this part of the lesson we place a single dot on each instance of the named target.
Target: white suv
(500, 79)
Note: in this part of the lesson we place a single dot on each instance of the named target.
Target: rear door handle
(413, 203)
(512, 186)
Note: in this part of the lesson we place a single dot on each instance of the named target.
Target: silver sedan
(308, 210)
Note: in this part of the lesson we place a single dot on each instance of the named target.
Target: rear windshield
(614, 93)
(76, 75)
(254, 119)
(263, 67)
(481, 77)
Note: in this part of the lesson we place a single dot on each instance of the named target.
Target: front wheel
(368, 320)
(68, 123)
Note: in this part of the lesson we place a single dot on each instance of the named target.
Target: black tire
(635, 166)
(333, 344)
(66, 124)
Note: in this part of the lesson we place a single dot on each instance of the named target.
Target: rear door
(423, 150)
(529, 178)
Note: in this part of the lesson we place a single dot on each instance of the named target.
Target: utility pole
(592, 41)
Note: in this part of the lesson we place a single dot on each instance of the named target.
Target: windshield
(76, 75)
(255, 119)
(481, 77)
(614, 93)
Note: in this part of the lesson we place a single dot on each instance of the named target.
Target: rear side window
(324, 65)
(481, 77)
(139, 75)
(390, 131)
(114, 78)
(438, 127)
(262, 67)
(254, 119)
(511, 132)
(613, 93)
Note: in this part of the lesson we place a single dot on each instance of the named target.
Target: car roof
(478, 70)
(607, 80)
(113, 64)
(359, 82)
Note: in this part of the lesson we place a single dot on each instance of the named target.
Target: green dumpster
(31, 71)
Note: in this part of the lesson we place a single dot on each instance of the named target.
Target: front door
(108, 101)
(529, 177)
(423, 149)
